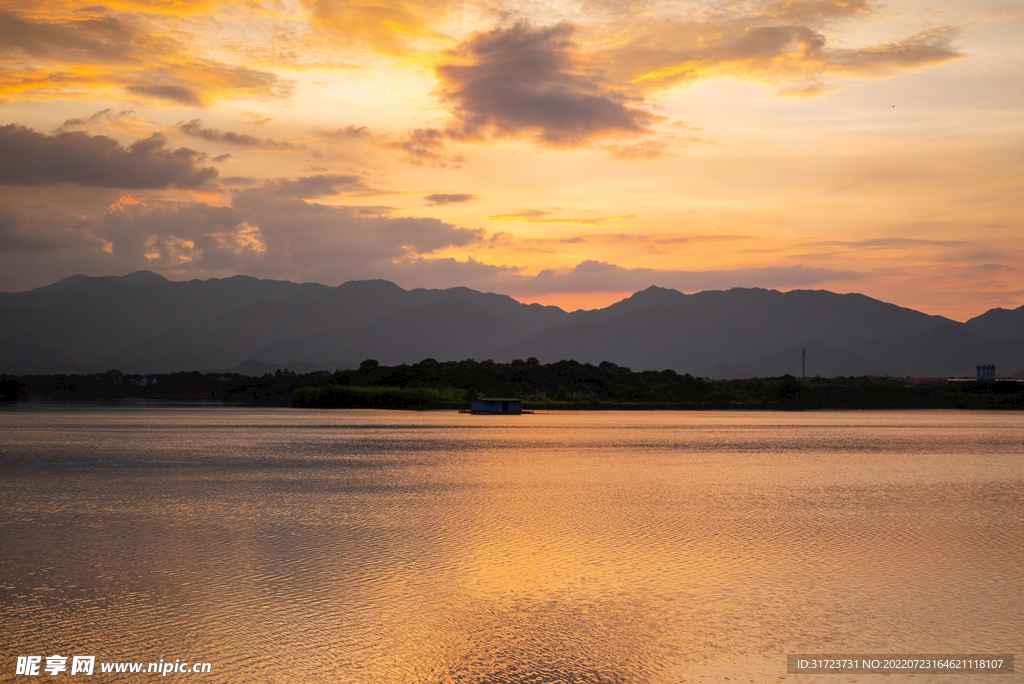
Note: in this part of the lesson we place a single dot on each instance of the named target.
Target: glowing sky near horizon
(568, 153)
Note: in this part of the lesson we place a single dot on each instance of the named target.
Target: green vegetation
(339, 396)
(269, 390)
(574, 385)
(10, 389)
(562, 385)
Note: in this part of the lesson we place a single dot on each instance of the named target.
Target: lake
(284, 545)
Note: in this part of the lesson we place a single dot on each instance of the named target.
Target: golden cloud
(76, 54)
(658, 55)
(540, 216)
(394, 27)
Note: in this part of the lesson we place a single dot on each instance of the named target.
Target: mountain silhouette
(144, 323)
(999, 324)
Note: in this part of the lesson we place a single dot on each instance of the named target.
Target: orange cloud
(122, 202)
(539, 216)
(393, 27)
(78, 54)
(568, 86)
(806, 92)
(783, 44)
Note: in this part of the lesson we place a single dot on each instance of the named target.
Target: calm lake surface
(369, 546)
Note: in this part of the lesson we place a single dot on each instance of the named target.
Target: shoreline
(531, 409)
(566, 385)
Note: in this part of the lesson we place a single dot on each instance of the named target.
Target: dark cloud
(91, 39)
(268, 235)
(323, 233)
(373, 210)
(103, 114)
(347, 132)
(195, 129)
(310, 187)
(190, 236)
(222, 157)
(520, 80)
(443, 198)
(238, 180)
(31, 158)
(20, 234)
(41, 248)
(994, 268)
(262, 233)
(175, 93)
(426, 146)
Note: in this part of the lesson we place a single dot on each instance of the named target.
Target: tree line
(575, 385)
(562, 385)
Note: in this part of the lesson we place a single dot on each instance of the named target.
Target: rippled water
(363, 546)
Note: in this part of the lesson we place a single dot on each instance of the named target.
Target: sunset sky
(568, 153)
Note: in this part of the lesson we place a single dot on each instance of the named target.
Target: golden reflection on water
(362, 546)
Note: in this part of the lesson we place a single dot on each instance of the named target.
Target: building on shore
(497, 406)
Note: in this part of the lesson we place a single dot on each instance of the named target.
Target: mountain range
(144, 323)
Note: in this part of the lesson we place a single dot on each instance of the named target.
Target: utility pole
(803, 364)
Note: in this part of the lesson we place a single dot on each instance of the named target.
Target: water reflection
(358, 546)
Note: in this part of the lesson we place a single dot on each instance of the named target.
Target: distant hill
(143, 322)
(149, 324)
(999, 324)
(739, 332)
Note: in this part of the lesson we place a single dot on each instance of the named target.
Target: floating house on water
(497, 406)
